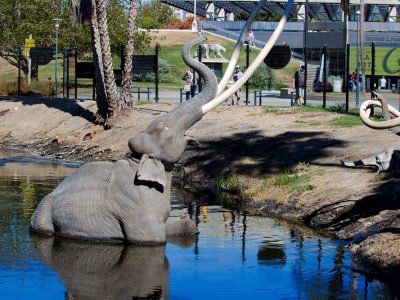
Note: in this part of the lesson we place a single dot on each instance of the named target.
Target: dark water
(236, 256)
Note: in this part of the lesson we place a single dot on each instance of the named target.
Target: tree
(155, 15)
(18, 18)
(109, 99)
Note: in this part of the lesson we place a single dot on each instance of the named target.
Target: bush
(263, 78)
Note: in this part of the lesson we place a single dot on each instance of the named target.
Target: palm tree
(129, 48)
(109, 100)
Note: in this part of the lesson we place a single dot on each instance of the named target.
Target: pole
(65, 55)
(56, 25)
(76, 77)
(194, 23)
(29, 65)
(373, 70)
(67, 74)
(347, 75)
(305, 51)
(19, 70)
(199, 56)
(357, 61)
(324, 78)
(156, 71)
(247, 66)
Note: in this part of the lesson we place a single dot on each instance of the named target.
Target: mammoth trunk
(188, 113)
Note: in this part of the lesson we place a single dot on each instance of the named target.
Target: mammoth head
(160, 140)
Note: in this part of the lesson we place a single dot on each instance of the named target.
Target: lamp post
(194, 23)
(357, 60)
(56, 25)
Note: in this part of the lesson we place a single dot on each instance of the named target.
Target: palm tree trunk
(111, 87)
(129, 48)
(101, 97)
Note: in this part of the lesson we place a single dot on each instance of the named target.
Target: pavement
(270, 98)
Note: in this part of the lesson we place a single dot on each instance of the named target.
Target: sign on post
(41, 56)
(29, 43)
(144, 64)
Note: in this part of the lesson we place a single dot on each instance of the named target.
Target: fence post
(65, 71)
(19, 70)
(247, 66)
(324, 78)
(255, 98)
(76, 77)
(347, 75)
(156, 71)
(373, 70)
(199, 56)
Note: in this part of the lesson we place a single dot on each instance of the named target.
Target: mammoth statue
(129, 200)
(387, 160)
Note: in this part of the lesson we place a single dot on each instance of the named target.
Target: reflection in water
(111, 271)
(272, 253)
(235, 256)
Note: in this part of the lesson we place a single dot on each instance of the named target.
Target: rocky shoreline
(254, 147)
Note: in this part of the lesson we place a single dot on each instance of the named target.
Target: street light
(56, 25)
(194, 23)
(357, 60)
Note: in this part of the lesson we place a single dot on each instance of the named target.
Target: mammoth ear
(151, 169)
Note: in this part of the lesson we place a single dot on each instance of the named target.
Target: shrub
(263, 78)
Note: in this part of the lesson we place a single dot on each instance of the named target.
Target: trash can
(337, 85)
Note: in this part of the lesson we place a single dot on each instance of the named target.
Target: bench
(284, 93)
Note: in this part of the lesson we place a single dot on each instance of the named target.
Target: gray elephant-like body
(107, 201)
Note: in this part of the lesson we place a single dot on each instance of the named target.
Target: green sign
(387, 61)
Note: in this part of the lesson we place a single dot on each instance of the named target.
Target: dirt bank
(282, 161)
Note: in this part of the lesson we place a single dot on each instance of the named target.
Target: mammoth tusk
(365, 112)
(236, 52)
(250, 70)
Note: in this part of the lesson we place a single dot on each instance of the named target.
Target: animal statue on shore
(212, 48)
(129, 200)
(389, 159)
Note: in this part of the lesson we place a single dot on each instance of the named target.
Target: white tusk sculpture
(236, 52)
(253, 66)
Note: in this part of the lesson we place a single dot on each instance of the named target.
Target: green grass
(293, 181)
(227, 182)
(346, 121)
(270, 109)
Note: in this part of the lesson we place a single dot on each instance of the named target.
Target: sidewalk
(271, 98)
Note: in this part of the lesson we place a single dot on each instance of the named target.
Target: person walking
(187, 82)
(298, 85)
(236, 75)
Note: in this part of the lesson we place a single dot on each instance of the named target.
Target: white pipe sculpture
(236, 52)
(389, 159)
(253, 66)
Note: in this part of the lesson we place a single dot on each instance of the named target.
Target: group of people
(190, 78)
(382, 83)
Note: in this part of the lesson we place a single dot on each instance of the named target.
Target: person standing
(250, 38)
(236, 76)
(298, 85)
(193, 83)
(187, 82)
(382, 84)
